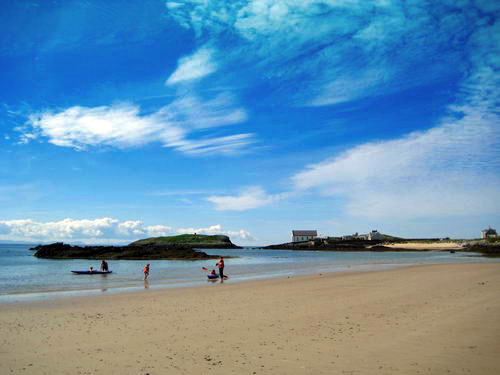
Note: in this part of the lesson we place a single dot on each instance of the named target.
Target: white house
(303, 235)
(490, 232)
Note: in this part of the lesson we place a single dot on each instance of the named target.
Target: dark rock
(60, 250)
(486, 248)
(331, 245)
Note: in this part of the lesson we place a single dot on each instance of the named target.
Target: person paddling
(146, 271)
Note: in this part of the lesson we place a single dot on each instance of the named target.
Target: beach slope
(438, 319)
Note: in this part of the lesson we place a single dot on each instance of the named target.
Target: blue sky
(123, 120)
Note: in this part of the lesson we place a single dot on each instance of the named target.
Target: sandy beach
(438, 319)
(441, 245)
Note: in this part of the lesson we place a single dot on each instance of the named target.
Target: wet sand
(438, 319)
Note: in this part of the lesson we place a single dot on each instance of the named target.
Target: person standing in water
(221, 268)
(104, 266)
(146, 271)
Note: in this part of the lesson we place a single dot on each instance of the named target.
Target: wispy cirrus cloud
(249, 198)
(339, 50)
(448, 170)
(102, 230)
(451, 169)
(196, 66)
(123, 125)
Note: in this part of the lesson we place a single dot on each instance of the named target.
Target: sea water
(25, 277)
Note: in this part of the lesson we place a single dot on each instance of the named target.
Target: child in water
(146, 271)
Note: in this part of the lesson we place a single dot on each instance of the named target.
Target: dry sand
(426, 245)
(439, 319)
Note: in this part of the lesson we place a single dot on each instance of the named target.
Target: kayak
(211, 277)
(87, 272)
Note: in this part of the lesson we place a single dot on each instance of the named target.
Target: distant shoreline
(483, 247)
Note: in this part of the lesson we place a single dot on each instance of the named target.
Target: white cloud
(118, 125)
(452, 169)
(71, 229)
(217, 229)
(189, 112)
(220, 145)
(158, 230)
(252, 197)
(123, 126)
(102, 230)
(348, 87)
(346, 50)
(449, 170)
(341, 50)
(196, 66)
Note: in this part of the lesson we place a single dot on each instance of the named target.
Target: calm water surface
(25, 277)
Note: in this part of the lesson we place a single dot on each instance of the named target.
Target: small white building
(303, 235)
(490, 232)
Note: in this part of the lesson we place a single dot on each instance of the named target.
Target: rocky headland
(338, 244)
(488, 247)
(169, 248)
(332, 245)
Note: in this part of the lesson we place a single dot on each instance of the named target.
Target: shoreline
(432, 319)
(51, 295)
(138, 286)
(198, 287)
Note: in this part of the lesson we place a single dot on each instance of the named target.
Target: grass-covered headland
(195, 240)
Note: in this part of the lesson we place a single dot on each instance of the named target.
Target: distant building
(375, 235)
(372, 236)
(303, 235)
(490, 232)
(354, 236)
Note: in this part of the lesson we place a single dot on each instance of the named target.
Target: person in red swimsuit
(146, 271)
(221, 267)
